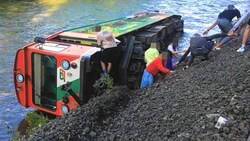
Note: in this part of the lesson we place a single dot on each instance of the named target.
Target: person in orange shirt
(153, 69)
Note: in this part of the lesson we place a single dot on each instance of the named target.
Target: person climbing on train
(236, 29)
(200, 46)
(153, 69)
(224, 21)
(151, 53)
(109, 55)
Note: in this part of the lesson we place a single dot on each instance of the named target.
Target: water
(21, 21)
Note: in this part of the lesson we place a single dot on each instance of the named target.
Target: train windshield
(44, 82)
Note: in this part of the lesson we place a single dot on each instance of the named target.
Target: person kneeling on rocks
(173, 56)
(200, 46)
(153, 69)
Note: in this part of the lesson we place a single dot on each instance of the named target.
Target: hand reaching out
(232, 33)
(205, 32)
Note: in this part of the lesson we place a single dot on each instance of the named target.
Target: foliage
(108, 80)
(34, 120)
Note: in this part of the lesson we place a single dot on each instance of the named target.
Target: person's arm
(209, 38)
(242, 19)
(211, 27)
(98, 37)
(185, 55)
(190, 61)
(161, 67)
(145, 60)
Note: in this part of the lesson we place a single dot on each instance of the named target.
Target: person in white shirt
(106, 40)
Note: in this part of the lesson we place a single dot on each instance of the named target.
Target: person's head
(153, 45)
(98, 28)
(163, 56)
(196, 35)
(230, 7)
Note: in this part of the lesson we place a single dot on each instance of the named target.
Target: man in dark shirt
(224, 21)
(200, 46)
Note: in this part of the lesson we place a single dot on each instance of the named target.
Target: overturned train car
(56, 74)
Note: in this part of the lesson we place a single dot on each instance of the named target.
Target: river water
(22, 20)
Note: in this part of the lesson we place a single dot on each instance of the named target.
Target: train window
(44, 80)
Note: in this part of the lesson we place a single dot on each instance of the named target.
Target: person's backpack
(200, 46)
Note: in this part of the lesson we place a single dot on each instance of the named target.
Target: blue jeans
(147, 79)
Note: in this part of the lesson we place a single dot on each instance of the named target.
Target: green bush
(34, 120)
(108, 81)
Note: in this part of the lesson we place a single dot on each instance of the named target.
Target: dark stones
(184, 107)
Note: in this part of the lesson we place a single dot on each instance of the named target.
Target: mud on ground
(185, 107)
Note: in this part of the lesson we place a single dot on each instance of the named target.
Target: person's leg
(223, 41)
(185, 55)
(145, 79)
(150, 79)
(103, 66)
(246, 34)
(112, 59)
(169, 64)
(205, 57)
(109, 67)
(244, 39)
(103, 62)
(225, 26)
(191, 59)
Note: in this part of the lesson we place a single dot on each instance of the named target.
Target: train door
(44, 74)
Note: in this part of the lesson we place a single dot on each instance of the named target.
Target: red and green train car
(56, 74)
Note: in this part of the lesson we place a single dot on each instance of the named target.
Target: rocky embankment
(185, 107)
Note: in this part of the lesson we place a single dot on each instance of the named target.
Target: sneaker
(184, 68)
(242, 49)
(216, 48)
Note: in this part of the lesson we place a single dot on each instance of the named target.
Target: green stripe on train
(74, 85)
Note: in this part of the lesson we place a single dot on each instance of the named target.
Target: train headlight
(64, 109)
(65, 64)
(19, 78)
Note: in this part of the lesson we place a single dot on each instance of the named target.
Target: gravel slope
(185, 107)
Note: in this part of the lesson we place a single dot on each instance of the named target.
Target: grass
(34, 120)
